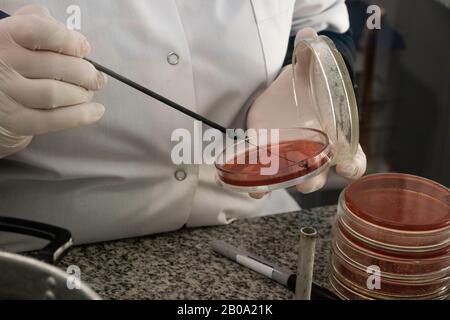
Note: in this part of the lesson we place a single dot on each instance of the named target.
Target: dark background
(403, 91)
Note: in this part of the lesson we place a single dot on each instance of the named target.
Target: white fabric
(320, 15)
(115, 179)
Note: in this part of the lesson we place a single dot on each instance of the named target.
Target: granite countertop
(181, 265)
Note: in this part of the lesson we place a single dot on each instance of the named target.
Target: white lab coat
(115, 179)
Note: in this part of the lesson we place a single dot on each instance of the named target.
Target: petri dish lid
(324, 94)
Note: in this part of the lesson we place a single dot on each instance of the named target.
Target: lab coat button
(180, 175)
(173, 58)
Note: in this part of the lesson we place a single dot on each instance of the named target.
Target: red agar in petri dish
(400, 202)
(296, 159)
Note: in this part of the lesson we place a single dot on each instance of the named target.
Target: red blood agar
(400, 202)
(296, 159)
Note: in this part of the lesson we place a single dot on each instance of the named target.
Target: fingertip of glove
(96, 112)
(99, 82)
(33, 9)
(355, 168)
(258, 196)
(306, 33)
(103, 79)
(85, 47)
(313, 185)
(350, 171)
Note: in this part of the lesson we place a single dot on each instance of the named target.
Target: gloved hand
(45, 85)
(276, 108)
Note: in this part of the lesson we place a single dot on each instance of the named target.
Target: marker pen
(279, 274)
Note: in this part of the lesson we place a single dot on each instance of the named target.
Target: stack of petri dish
(392, 239)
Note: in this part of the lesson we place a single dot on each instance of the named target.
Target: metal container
(33, 277)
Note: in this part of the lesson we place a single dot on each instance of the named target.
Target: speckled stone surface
(181, 265)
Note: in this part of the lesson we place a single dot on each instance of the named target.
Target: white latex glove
(276, 109)
(45, 85)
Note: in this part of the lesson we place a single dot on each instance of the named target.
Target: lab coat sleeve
(329, 18)
(331, 15)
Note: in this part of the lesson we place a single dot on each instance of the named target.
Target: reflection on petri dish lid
(298, 154)
(400, 202)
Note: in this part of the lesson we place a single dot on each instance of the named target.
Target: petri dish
(393, 266)
(400, 213)
(351, 277)
(401, 202)
(325, 99)
(299, 154)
